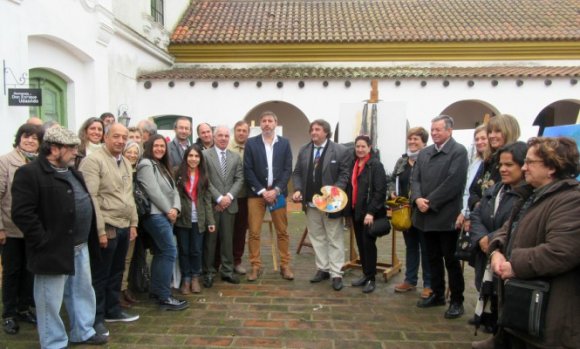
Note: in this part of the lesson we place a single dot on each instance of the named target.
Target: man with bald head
(226, 179)
(108, 176)
(34, 120)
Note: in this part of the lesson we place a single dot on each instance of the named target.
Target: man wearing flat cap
(53, 208)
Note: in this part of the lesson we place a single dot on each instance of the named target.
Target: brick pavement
(275, 313)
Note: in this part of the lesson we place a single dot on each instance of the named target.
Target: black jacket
(43, 207)
(378, 192)
(440, 178)
(484, 223)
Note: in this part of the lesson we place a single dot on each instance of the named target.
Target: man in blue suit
(267, 170)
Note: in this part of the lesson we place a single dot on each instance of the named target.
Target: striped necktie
(223, 163)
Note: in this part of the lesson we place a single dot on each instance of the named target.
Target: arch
(65, 45)
(562, 112)
(469, 113)
(54, 96)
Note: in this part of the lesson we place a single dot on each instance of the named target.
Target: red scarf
(190, 187)
(358, 167)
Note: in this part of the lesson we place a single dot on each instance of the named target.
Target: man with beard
(52, 207)
(177, 146)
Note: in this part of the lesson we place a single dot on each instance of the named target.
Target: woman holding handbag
(541, 242)
(366, 196)
(493, 211)
(416, 254)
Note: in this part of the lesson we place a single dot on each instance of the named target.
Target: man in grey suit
(322, 162)
(177, 146)
(225, 172)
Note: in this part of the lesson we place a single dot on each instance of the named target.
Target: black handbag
(524, 306)
(380, 227)
(141, 200)
(465, 246)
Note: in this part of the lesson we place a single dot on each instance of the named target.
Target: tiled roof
(303, 72)
(341, 21)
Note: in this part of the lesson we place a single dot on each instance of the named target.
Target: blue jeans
(164, 254)
(108, 275)
(79, 299)
(416, 253)
(190, 243)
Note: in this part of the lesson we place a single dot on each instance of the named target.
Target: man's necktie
(316, 159)
(223, 163)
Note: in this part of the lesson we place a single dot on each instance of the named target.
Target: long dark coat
(545, 245)
(484, 222)
(439, 176)
(376, 204)
(43, 207)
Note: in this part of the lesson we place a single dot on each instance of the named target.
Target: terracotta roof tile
(317, 21)
(304, 72)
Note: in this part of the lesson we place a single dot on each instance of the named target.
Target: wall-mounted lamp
(122, 115)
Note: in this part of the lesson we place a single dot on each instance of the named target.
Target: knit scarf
(358, 167)
(28, 157)
(413, 155)
(191, 185)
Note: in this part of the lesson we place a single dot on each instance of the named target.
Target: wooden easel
(388, 269)
(303, 241)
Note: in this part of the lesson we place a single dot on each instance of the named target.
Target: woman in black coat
(366, 196)
(493, 211)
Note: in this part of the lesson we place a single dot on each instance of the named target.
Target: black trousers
(108, 275)
(441, 249)
(367, 249)
(17, 281)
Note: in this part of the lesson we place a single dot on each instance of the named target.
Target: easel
(303, 241)
(388, 269)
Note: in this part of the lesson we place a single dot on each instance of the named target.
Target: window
(157, 11)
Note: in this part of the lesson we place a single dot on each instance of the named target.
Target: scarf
(413, 155)
(358, 167)
(191, 184)
(28, 157)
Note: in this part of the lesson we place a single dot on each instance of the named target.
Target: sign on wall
(25, 97)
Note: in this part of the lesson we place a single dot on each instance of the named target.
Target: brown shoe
(185, 288)
(195, 286)
(404, 287)
(254, 274)
(426, 293)
(129, 297)
(286, 273)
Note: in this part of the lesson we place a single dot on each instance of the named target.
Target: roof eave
(376, 51)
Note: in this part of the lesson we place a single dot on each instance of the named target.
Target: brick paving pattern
(275, 313)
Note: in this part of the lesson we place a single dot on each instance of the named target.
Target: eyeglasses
(530, 161)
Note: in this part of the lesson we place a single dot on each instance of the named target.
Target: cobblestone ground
(275, 313)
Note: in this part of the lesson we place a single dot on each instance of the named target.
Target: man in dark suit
(267, 170)
(224, 169)
(437, 187)
(322, 162)
(177, 146)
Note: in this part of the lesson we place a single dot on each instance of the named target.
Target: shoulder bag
(381, 226)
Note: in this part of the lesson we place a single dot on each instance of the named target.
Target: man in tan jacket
(109, 179)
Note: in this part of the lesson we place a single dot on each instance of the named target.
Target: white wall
(82, 42)
(227, 104)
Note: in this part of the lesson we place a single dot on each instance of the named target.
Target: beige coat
(9, 163)
(111, 188)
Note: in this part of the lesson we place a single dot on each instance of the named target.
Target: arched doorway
(54, 93)
(564, 112)
(468, 114)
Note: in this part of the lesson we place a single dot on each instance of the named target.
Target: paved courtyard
(275, 313)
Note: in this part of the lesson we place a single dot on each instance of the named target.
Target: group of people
(71, 228)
